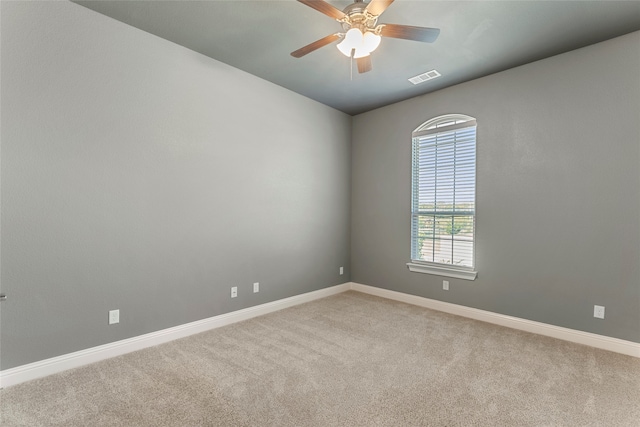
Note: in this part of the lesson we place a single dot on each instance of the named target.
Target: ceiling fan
(362, 32)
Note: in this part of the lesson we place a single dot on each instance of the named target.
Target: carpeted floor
(347, 360)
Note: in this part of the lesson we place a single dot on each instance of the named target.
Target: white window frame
(437, 125)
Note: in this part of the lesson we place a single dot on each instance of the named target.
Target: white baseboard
(42, 368)
(593, 340)
(58, 364)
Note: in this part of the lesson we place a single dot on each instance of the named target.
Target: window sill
(442, 271)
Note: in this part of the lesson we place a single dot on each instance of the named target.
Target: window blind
(444, 187)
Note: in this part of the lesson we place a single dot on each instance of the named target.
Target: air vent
(421, 78)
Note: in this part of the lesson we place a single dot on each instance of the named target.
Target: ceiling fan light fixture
(363, 44)
(344, 48)
(371, 41)
(352, 40)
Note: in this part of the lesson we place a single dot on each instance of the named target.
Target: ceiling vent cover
(421, 78)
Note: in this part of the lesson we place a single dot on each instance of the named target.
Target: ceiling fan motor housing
(357, 16)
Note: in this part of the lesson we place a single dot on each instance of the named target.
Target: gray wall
(141, 176)
(558, 191)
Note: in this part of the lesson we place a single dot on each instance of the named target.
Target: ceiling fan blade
(364, 64)
(315, 45)
(407, 32)
(324, 7)
(376, 7)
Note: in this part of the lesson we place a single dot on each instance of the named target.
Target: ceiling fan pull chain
(351, 67)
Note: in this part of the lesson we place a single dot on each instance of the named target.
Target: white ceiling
(477, 38)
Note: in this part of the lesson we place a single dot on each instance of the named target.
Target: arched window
(443, 207)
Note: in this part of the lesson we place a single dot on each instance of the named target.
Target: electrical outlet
(341, 271)
(445, 285)
(114, 316)
(598, 311)
(256, 287)
(234, 292)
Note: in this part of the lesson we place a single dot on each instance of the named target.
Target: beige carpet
(347, 360)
